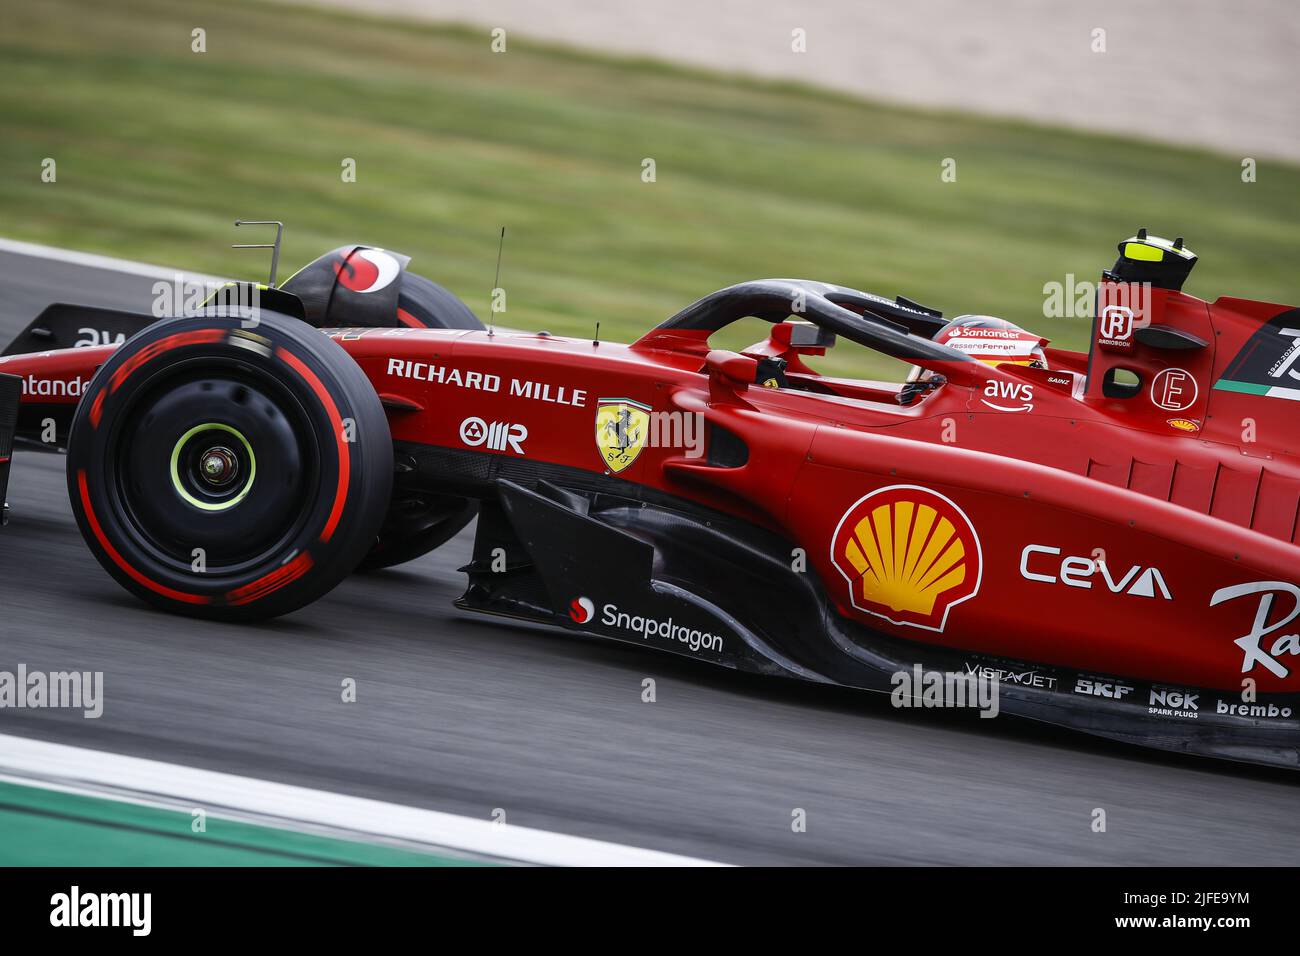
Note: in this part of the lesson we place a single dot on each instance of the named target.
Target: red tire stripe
(409, 320)
(97, 409)
(154, 349)
(270, 583)
(120, 561)
(336, 422)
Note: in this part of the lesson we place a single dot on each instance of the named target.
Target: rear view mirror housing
(737, 370)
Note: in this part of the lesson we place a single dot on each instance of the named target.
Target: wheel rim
(215, 469)
(215, 456)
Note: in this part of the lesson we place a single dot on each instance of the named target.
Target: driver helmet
(990, 340)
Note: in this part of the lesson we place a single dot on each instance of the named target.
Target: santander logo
(581, 610)
(367, 270)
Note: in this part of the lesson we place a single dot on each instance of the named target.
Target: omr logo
(581, 610)
(498, 436)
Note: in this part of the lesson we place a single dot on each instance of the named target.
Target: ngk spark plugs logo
(497, 436)
(909, 554)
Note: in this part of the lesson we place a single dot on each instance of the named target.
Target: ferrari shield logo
(621, 429)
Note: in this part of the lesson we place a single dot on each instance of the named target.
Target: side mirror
(738, 371)
(805, 335)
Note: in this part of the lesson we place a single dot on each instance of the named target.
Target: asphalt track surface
(468, 715)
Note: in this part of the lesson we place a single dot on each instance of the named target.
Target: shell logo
(909, 555)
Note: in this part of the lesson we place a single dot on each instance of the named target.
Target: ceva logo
(1078, 572)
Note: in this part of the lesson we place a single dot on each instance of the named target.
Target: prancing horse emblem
(621, 427)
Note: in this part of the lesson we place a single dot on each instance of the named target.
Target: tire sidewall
(344, 501)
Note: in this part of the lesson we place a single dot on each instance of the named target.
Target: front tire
(230, 469)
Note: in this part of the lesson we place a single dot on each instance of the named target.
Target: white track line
(90, 260)
(113, 776)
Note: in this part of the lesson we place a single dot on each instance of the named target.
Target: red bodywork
(1014, 511)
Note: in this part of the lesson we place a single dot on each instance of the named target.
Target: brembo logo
(909, 554)
(1080, 572)
(497, 436)
(1287, 645)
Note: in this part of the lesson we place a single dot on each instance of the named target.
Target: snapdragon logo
(922, 688)
(667, 630)
(581, 610)
(67, 690)
(75, 908)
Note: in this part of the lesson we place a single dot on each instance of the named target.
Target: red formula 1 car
(1112, 536)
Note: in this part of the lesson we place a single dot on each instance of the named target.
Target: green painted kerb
(49, 828)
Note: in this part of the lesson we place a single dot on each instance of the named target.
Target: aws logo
(909, 554)
(1016, 396)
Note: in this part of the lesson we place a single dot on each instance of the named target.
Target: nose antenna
(496, 284)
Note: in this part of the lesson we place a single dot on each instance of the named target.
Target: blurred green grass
(159, 149)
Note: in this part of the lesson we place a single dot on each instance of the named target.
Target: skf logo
(1019, 394)
(1078, 572)
(909, 554)
(622, 426)
(497, 436)
(1096, 688)
(581, 610)
(1115, 326)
